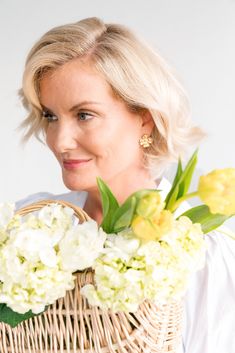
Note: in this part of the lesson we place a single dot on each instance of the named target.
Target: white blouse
(209, 304)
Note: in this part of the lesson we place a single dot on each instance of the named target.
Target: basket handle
(78, 211)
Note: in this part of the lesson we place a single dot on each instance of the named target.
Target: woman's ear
(147, 122)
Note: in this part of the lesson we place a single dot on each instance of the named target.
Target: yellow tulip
(152, 228)
(143, 228)
(165, 223)
(217, 191)
(150, 206)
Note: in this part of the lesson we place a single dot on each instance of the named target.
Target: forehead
(73, 80)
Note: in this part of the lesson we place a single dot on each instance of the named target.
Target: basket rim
(35, 206)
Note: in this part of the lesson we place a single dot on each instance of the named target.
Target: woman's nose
(64, 137)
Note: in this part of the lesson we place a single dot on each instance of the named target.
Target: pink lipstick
(74, 163)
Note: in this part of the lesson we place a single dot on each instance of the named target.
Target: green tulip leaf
(10, 317)
(181, 182)
(172, 195)
(124, 215)
(209, 221)
(109, 205)
(187, 175)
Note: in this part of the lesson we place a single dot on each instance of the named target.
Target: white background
(196, 37)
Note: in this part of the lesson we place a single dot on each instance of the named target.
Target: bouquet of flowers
(141, 251)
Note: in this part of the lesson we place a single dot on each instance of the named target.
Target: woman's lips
(74, 163)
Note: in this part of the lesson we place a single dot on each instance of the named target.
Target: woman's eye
(84, 116)
(49, 116)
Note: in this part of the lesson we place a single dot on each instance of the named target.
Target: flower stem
(182, 199)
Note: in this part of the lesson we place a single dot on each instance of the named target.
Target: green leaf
(187, 175)
(109, 205)
(123, 216)
(12, 318)
(182, 181)
(178, 174)
(172, 195)
(209, 221)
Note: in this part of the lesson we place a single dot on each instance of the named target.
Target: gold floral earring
(145, 141)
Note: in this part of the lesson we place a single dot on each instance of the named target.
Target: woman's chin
(75, 184)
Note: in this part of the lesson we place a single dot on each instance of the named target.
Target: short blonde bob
(136, 73)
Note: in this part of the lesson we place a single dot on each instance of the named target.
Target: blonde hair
(136, 73)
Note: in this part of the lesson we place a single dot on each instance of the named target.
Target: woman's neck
(121, 189)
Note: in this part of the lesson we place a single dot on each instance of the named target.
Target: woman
(109, 106)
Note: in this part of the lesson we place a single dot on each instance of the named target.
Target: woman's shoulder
(210, 299)
(76, 197)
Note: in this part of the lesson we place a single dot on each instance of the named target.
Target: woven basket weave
(71, 325)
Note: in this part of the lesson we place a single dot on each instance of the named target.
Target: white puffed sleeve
(210, 300)
(32, 198)
(76, 197)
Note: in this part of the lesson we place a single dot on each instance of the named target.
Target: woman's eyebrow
(76, 106)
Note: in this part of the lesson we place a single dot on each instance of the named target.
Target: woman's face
(90, 132)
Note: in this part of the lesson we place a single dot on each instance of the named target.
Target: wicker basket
(71, 325)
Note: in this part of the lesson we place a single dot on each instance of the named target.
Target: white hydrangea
(56, 215)
(39, 254)
(130, 271)
(34, 287)
(81, 245)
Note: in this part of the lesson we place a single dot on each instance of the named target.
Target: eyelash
(51, 118)
(48, 116)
